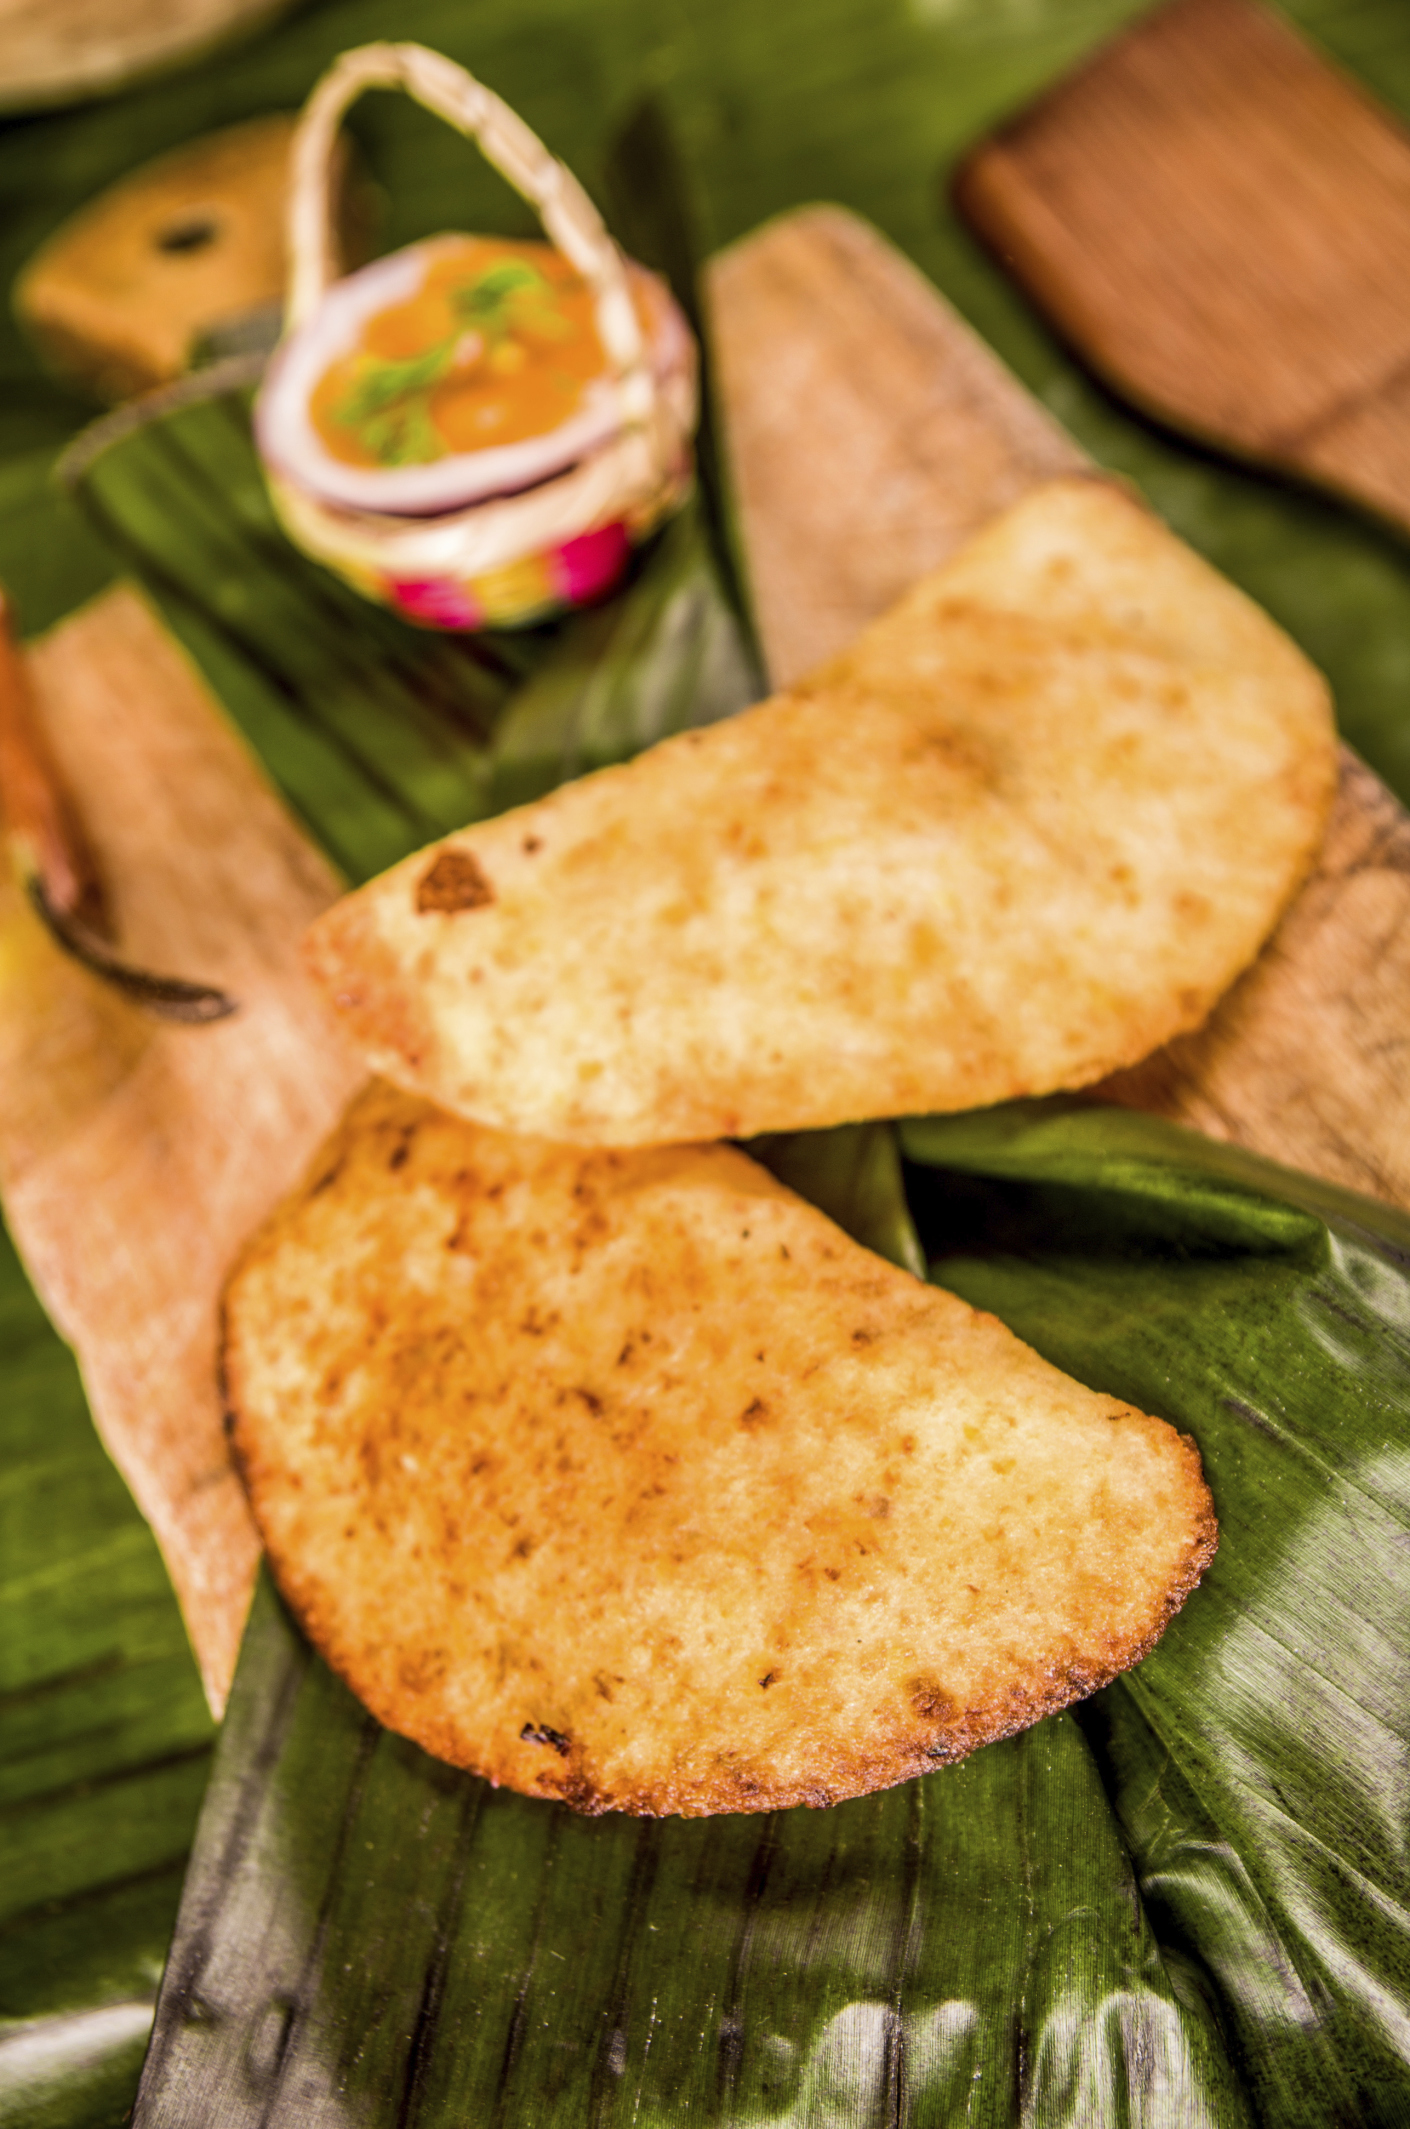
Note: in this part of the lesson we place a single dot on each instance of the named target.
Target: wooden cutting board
(1220, 222)
(869, 433)
(136, 1155)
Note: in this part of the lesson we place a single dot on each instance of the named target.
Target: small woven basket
(549, 534)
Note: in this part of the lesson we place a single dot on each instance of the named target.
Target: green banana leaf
(1171, 1907)
(1255, 1760)
(104, 1747)
(1175, 1881)
(1187, 1902)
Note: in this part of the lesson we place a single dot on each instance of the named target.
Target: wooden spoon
(1220, 223)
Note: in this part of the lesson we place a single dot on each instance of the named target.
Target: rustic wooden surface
(1308, 1058)
(824, 334)
(1219, 221)
(135, 1156)
(870, 432)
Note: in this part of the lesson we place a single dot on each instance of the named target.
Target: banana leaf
(1255, 1760)
(1044, 1932)
(1187, 1902)
(104, 1747)
(869, 104)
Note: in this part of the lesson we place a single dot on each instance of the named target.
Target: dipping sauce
(499, 343)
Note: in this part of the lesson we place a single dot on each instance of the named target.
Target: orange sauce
(498, 344)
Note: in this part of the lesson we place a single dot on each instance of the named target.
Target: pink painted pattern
(437, 602)
(586, 567)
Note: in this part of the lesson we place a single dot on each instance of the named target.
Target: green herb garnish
(388, 406)
(508, 297)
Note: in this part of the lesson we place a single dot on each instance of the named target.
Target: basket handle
(567, 214)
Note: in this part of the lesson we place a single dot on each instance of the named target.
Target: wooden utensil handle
(1214, 218)
(1113, 319)
(1363, 450)
(43, 829)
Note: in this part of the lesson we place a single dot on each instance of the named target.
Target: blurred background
(869, 102)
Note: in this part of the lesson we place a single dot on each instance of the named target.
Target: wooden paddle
(869, 432)
(135, 1156)
(1219, 222)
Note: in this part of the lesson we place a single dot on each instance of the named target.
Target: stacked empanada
(594, 1459)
